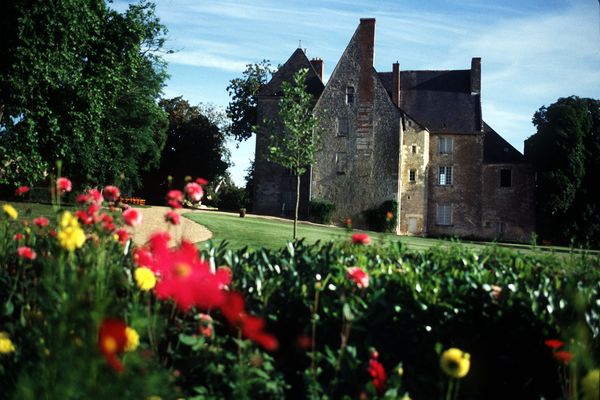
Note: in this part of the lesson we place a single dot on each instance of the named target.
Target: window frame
(445, 145)
(339, 132)
(503, 177)
(443, 214)
(350, 95)
(446, 172)
(412, 175)
(341, 163)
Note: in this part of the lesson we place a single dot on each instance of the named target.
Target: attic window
(349, 95)
(414, 149)
(343, 127)
(505, 178)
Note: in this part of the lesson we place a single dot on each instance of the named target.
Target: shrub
(231, 198)
(383, 218)
(321, 211)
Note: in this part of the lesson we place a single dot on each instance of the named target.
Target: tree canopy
(243, 92)
(79, 82)
(195, 147)
(565, 153)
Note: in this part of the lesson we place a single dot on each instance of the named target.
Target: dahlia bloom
(563, 356)
(41, 222)
(455, 363)
(205, 328)
(144, 278)
(172, 217)
(201, 181)
(70, 235)
(554, 343)
(22, 190)
(112, 341)
(10, 211)
(64, 185)
(132, 217)
(26, 253)
(121, 236)
(111, 193)
(174, 198)
(377, 373)
(360, 277)
(361, 238)
(133, 339)
(6, 345)
(194, 191)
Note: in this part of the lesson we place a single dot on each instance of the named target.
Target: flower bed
(84, 314)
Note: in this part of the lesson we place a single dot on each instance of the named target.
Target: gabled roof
(496, 150)
(297, 61)
(439, 100)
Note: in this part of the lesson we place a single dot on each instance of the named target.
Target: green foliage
(321, 211)
(231, 198)
(383, 218)
(565, 153)
(80, 83)
(195, 147)
(244, 92)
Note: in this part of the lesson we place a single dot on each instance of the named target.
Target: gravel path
(154, 221)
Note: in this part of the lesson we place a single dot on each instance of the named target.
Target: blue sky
(532, 51)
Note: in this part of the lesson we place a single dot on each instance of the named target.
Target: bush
(231, 198)
(321, 211)
(383, 218)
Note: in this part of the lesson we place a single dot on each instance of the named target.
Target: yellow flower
(133, 339)
(10, 211)
(71, 238)
(68, 221)
(455, 363)
(144, 278)
(6, 345)
(590, 385)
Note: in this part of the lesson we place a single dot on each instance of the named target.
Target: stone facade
(417, 137)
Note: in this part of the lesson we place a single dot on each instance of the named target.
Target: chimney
(366, 44)
(396, 83)
(476, 75)
(317, 64)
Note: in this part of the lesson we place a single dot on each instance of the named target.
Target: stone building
(417, 137)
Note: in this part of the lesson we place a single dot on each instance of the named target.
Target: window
(349, 95)
(341, 163)
(412, 175)
(505, 178)
(343, 127)
(445, 175)
(414, 149)
(445, 145)
(444, 214)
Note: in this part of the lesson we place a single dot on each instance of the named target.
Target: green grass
(34, 210)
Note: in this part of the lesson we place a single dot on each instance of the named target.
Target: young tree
(565, 153)
(295, 145)
(243, 92)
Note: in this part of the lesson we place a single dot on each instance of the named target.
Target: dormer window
(349, 95)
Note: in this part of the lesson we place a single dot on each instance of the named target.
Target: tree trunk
(297, 204)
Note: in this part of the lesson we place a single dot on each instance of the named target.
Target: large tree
(79, 82)
(244, 92)
(195, 147)
(294, 145)
(565, 153)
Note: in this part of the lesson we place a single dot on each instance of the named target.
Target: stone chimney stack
(366, 45)
(476, 75)
(317, 64)
(396, 83)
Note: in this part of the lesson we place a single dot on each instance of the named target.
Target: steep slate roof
(497, 150)
(439, 100)
(297, 61)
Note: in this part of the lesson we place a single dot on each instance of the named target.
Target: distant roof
(439, 100)
(498, 150)
(297, 61)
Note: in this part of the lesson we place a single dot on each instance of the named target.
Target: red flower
(172, 217)
(360, 277)
(18, 236)
(563, 356)
(348, 223)
(377, 373)
(92, 196)
(554, 343)
(132, 217)
(22, 190)
(361, 238)
(194, 191)
(205, 328)
(84, 217)
(143, 258)
(112, 341)
(234, 311)
(41, 222)
(201, 181)
(26, 252)
(63, 185)
(122, 235)
(111, 193)
(304, 342)
(174, 198)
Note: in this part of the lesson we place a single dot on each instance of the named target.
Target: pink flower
(132, 217)
(359, 277)
(201, 181)
(205, 328)
(41, 222)
(122, 235)
(64, 185)
(172, 217)
(22, 190)
(361, 238)
(111, 193)
(194, 191)
(377, 373)
(18, 236)
(174, 198)
(107, 222)
(143, 258)
(26, 252)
